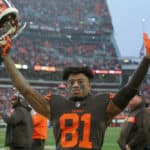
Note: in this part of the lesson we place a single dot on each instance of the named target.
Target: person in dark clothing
(135, 133)
(19, 124)
(80, 119)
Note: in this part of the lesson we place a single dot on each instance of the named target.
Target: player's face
(78, 85)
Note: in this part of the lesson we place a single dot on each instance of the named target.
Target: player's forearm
(139, 74)
(18, 80)
(130, 89)
(33, 97)
(123, 97)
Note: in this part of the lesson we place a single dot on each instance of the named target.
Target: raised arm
(123, 97)
(35, 99)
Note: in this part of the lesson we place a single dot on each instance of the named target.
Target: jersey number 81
(73, 130)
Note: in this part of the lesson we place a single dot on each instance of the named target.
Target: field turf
(110, 142)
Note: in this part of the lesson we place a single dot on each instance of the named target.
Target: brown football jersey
(79, 124)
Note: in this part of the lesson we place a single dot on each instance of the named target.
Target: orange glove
(146, 42)
(5, 45)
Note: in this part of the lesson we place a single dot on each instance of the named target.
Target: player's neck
(76, 98)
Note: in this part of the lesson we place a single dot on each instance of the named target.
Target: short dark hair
(76, 70)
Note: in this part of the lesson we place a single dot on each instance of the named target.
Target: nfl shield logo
(77, 104)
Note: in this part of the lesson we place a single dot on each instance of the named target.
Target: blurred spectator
(19, 124)
(40, 130)
(135, 133)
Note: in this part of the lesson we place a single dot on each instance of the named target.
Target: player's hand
(5, 46)
(146, 43)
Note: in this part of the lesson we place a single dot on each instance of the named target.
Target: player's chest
(81, 113)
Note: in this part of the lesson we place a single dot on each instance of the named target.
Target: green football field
(109, 142)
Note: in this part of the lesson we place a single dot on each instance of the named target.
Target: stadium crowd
(98, 55)
(78, 15)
